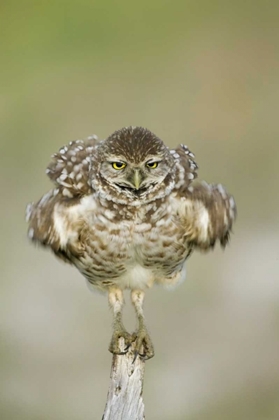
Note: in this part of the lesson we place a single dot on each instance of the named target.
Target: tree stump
(124, 400)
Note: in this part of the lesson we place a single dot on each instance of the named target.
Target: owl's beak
(137, 178)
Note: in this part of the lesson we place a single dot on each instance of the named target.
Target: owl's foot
(143, 344)
(116, 347)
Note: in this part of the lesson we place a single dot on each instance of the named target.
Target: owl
(127, 213)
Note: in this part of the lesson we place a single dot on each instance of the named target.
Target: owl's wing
(207, 213)
(40, 216)
(69, 170)
(71, 166)
(185, 166)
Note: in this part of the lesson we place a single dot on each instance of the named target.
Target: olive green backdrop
(203, 73)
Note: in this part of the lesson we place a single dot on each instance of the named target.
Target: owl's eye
(152, 165)
(118, 165)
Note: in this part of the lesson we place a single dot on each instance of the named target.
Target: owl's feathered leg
(116, 301)
(144, 346)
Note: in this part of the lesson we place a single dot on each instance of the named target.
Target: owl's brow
(149, 158)
(121, 158)
(116, 158)
(153, 158)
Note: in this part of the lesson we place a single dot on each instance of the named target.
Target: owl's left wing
(206, 213)
(186, 168)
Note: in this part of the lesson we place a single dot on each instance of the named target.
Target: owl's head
(134, 161)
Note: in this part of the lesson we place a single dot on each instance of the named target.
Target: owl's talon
(143, 342)
(135, 356)
(142, 356)
(116, 347)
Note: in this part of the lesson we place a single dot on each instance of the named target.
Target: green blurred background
(203, 73)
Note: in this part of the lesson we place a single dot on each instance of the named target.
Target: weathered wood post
(124, 401)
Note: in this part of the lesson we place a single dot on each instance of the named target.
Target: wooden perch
(124, 401)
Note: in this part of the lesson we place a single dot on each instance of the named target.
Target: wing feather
(186, 167)
(207, 213)
(71, 166)
(70, 171)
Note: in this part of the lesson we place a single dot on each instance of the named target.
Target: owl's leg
(144, 346)
(116, 302)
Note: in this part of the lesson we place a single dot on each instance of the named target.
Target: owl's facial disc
(135, 178)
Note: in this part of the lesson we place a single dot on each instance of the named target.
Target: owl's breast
(130, 251)
(163, 247)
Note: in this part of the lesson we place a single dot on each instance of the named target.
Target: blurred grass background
(197, 72)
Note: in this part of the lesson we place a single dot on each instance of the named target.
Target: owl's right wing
(70, 171)
(206, 213)
(71, 167)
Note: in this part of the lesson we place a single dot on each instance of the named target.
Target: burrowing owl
(126, 213)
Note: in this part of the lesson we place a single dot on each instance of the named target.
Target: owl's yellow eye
(118, 165)
(152, 165)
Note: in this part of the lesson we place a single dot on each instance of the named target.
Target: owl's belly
(132, 256)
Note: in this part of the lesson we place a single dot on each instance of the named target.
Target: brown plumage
(126, 213)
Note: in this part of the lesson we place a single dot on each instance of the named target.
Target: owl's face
(136, 177)
(134, 161)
